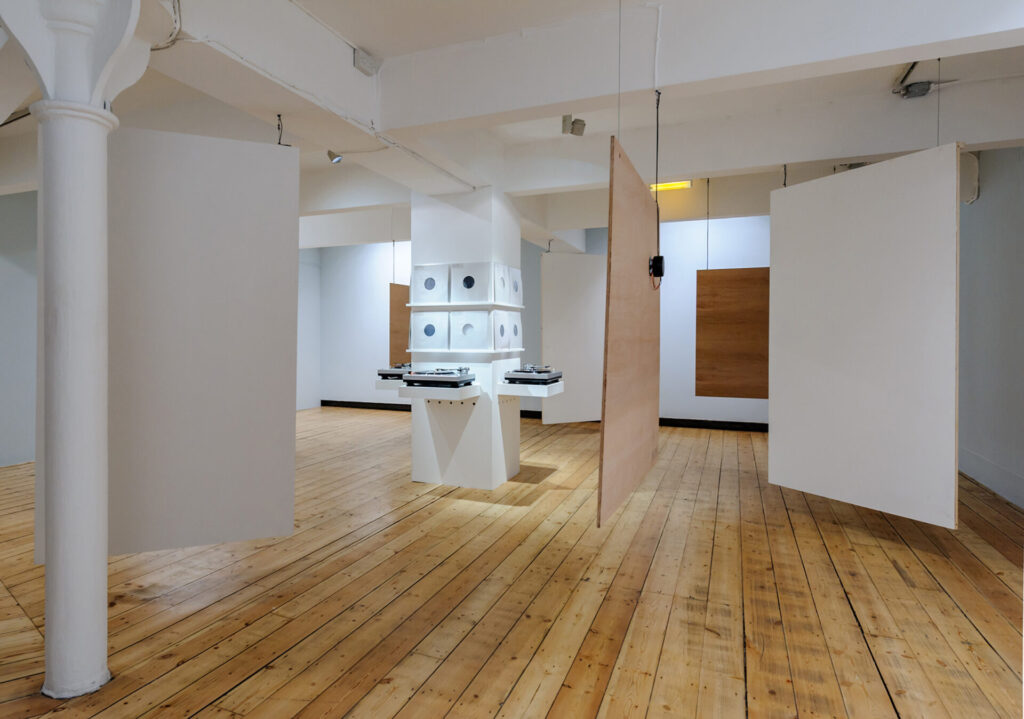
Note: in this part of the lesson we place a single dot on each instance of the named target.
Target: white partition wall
(203, 306)
(572, 319)
(863, 336)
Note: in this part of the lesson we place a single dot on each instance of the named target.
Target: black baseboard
(714, 424)
(366, 405)
(535, 414)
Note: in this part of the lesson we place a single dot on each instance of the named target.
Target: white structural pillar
(475, 442)
(83, 52)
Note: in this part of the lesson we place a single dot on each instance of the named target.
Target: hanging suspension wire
(707, 224)
(938, 100)
(618, 93)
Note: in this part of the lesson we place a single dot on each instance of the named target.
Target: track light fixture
(334, 157)
(573, 127)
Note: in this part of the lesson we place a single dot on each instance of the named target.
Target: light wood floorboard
(710, 593)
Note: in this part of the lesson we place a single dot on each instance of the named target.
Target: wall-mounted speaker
(502, 284)
(429, 331)
(471, 282)
(429, 284)
(515, 286)
(515, 323)
(469, 330)
(502, 332)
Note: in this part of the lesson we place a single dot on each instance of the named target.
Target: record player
(459, 377)
(395, 371)
(534, 374)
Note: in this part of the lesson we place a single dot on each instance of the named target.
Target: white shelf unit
(391, 384)
(449, 393)
(457, 306)
(531, 390)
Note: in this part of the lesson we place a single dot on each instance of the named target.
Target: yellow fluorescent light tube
(678, 185)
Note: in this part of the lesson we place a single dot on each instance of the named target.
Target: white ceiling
(389, 28)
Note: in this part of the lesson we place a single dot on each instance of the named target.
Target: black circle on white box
(515, 285)
(429, 283)
(502, 282)
(429, 330)
(501, 330)
(467, 328)
(515, 330)
(468, 282)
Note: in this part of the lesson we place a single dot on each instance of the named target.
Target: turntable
(533, 374)
(395, 371)
(460, 377)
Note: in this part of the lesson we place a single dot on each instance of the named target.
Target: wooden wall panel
(732, 333)
(398, 335)
(629, 409)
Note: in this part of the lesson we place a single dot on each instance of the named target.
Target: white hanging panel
(863, 336)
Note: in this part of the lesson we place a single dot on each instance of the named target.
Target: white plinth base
(531, 390)
(445, 393)
(391, 384)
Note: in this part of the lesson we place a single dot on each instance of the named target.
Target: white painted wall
(573, 319)
(863, 336)
(733, 242)
(307, 357)
(688, 247)
(17, 328)
(354, 319)
(531, 255)
(992, 327)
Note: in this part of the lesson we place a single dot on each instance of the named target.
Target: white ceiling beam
(979, 114)
(683, 47)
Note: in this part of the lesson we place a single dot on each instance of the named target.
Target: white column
(73, 221)
(83, 53)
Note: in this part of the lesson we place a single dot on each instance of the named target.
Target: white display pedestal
(531, 390)
(466, 441)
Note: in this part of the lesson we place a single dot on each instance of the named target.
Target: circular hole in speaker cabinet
(502, 279)
(515, 330)
(501, 330)
(515, 285)
(429, 330)
(468, 282)
(467, 328)
(429, 283)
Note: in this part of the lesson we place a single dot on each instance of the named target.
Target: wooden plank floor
(710, 593)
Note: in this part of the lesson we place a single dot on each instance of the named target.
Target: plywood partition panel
(398, 334)
(732, 333)
(863, 337)
(629, 408)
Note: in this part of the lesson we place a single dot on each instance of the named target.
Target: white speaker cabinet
(502, 331)
(429, 331)
(469, 330)
(471, 282)
(515, 322)
(502, 284)
(429, 284)
(515, 286)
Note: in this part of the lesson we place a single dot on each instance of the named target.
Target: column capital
(83, 51)
(46, 109)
